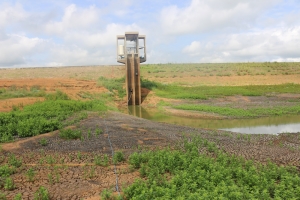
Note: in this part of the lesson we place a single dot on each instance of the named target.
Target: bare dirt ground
(66, 167)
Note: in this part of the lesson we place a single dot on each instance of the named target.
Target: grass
(113, 85)
(187, 174)
(15, 92)
(205, 92)
(151, 71)
(70, 134)
(43, 117)
(237, 112)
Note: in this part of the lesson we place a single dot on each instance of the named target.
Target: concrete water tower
(131, 51)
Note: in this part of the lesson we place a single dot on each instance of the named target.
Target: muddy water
(266, 125)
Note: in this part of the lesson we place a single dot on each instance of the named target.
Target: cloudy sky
(83, 32)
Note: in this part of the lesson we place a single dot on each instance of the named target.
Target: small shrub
(13, 161)
(118, 157)
(30, 174)
(18, 196)
(58, 95)
(70, 134)
(106, 194)
(9, 184)
(43, 142)
(101, 161)
(2, 196)
(99, 131)
(41, 194)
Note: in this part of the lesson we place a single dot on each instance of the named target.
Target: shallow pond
(265, 125)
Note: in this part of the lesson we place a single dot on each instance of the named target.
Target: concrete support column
(133, 82)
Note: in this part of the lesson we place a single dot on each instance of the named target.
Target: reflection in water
(269, 129)
(268, 125)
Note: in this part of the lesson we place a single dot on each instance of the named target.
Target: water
(265, 125)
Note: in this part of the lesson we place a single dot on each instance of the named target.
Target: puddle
(265, 125)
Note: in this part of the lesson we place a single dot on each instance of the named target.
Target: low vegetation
(43, 117)
(204, 92)
(17, 92)
(239, 112)
(187, 174)
(113, 85)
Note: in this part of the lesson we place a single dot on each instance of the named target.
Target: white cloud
(263, 45)
(74, 18)
(202, 15)
(15, 49)
(11, 14)
(100, 38)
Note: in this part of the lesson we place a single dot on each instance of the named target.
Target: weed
(43, 142)
(106, 194)
(118, 157)
(113, 85)
(41, 194)
(13, 161)
(191, 174)
(89, 133)
(50, 178)
(30, 174)
(9, 184)
(2, 196)
(99, 131)
(50, 160)
(101, 161)
(18, 196)
(79, 155)
(70, 134)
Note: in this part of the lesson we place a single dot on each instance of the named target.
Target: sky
(83, 32)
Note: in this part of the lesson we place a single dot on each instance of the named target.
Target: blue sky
(83, 32)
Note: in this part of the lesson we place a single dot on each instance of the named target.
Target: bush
(118, 157)
(17, 197)
(43, 142)
(70, 134)
(9, 184)
(30, 174)
(106, 194)
(58, 95)
(41, 194)
(13, 161)
(101, 161)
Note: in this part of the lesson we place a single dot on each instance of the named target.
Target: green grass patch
(70, 134)
(14, 92)
(188, 174)
(205, 92)
(237, 112)
(113, 85)
(43, 117)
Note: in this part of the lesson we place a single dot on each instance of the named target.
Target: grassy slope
(205, 92)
